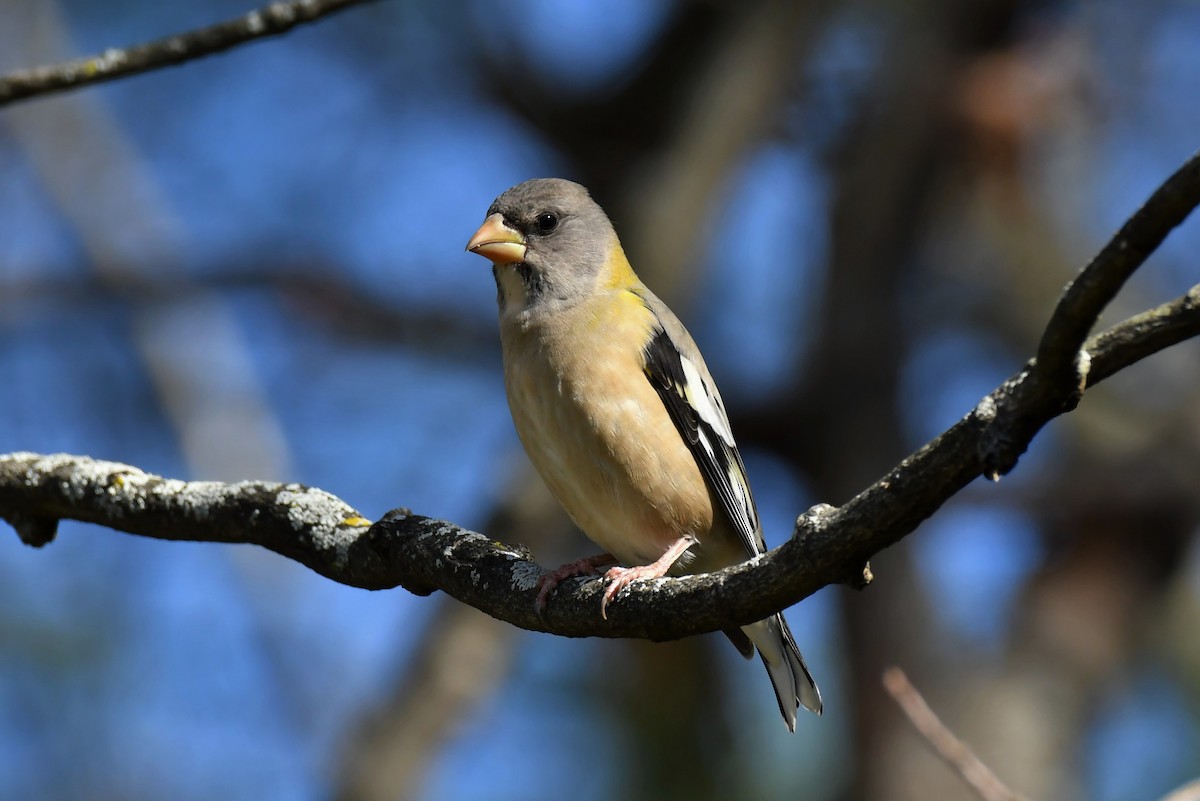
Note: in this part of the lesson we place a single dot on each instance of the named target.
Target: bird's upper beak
(496, 241)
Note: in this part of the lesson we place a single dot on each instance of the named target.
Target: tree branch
(115, 63)
(957, 754)
(1098, 283)
(1059, 362)
(829, 546)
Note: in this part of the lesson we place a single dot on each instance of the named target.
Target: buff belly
(607, 449)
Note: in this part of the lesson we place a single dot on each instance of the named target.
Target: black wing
(697, 411)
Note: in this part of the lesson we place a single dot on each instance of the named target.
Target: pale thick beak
(496, 241)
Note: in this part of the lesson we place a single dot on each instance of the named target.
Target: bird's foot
(620, 577)
(588, 566)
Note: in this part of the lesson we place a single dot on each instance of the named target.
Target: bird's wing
(675, 368)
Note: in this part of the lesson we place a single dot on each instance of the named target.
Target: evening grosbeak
(618, 413)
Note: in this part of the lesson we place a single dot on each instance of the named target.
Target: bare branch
(1142, 335)
(115, 63)
(957, 754)
(1098, 283)
(1059, 373)
(422, 554)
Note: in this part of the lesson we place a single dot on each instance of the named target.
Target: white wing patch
(702, 399)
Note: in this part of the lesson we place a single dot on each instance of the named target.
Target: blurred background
(252, 267)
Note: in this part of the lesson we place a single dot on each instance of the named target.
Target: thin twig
(1144, 333)
(115, 63)
(953, 751)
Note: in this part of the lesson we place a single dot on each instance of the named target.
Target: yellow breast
(597, 432)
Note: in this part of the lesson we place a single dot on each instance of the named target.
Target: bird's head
(549, 244)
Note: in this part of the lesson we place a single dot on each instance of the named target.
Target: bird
(619, 414)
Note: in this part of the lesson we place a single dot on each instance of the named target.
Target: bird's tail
(793, 683)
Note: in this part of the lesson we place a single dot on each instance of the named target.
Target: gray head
(549, 243)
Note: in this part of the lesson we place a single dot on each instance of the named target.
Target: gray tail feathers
(793, 683)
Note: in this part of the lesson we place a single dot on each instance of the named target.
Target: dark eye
(546, 222)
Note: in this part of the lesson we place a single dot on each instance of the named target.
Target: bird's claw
(618, 578)
(588, 566)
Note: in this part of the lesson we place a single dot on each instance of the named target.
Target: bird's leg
(619, 577)
(587, 566)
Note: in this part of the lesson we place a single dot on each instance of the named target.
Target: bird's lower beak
(496, 241)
